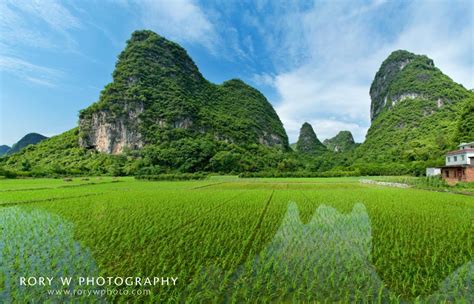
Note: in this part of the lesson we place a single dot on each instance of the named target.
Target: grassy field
(239, 240)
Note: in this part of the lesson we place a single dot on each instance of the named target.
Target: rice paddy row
(241, 240)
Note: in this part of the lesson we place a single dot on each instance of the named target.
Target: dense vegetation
(246, 240)
(156, 78)
(416, 111)
(406, 73)
(465, 124)
(343, 141)
(308, 142)
(190, 125)
(61, 155)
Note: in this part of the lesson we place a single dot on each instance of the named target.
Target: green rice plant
(226, 239)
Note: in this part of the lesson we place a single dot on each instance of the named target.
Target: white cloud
(37, 24)
(51, 12)
(439, 37)
(263, 79)
(31, 72)
(335, 48)
(179, 20)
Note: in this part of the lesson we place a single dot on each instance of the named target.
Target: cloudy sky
(313, 60)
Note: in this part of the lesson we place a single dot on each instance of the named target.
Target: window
(462, 157)
(447, 173)
(449, 159)
(455, 158)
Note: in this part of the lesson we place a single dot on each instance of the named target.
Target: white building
(459, 164)
(433, 171)
(463, 156)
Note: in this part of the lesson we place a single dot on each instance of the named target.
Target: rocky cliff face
(308, 142)
(159, 95)
(342, 142)
(111, 136)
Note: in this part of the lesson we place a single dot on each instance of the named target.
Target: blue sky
(313, 60)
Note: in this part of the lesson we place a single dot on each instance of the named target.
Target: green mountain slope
(308, 142)
(465, 124)
(415, 111)
(158, 96)
(343, 141)
(61, 154)
(28, 139)
(159, 115)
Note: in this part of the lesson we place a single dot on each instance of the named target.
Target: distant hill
(343, 141)
(308, 142)
(415, 111)
(28, 139)
(4, 149)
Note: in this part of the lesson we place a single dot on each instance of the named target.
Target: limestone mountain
(342, 142)
(158, 115)
(158, 96)
(4, 149)
(415, 109)
(308, 142)
(28, 139)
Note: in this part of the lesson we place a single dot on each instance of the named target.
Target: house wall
(453, 177)
(469, 174)
(459, 161)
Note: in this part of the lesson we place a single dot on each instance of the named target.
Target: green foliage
(465, 125)
(8, 173)
(415, 130)
(420, 128)
(158, 79)
(173, 177)
(190, 125)
(299, 174)
(308, 142)
(343, 141)
(60, 155)
(406, 73)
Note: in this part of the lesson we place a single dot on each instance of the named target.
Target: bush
(173, 176)
(302, 174)
(8, 173)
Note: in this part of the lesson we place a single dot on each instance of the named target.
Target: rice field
(237, 240)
